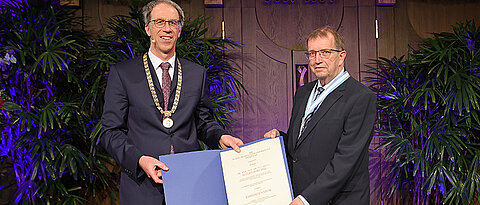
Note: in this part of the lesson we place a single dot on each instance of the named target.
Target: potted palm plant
(429, 119)
(46, 126)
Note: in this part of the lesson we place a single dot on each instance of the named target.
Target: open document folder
(257, 175)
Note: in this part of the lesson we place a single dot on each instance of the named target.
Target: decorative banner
(301, 74)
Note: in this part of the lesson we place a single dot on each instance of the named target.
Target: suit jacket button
(295, 160)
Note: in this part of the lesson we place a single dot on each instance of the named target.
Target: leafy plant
(46, 127)
(428, 118)
(52, 83)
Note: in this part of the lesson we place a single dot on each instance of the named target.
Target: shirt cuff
(303, 200)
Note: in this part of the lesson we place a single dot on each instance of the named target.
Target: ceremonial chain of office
(167, 121)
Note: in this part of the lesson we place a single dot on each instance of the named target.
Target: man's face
(163, 39)
(325, 68)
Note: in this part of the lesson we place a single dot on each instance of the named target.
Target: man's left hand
(227, 141)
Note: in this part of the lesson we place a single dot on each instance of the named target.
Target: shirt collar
(156, 61)
(318, 84)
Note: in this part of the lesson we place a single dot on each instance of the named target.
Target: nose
(318, 58)
(167, 27)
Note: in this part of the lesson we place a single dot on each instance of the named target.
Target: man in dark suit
(156, 105)
(330, 129)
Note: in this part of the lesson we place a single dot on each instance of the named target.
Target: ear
(179, 32)
(147, 29)
(343, 54)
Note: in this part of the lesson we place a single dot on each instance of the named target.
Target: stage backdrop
(273, 32)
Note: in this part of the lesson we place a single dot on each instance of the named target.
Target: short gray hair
(147, 10)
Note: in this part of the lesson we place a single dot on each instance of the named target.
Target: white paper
(256, 175)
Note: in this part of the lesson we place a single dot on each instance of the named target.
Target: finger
(269, 134)
(162, 166)
(157, 180)
(237, 144)
(159, 174)
(236, 148)
(154, 176)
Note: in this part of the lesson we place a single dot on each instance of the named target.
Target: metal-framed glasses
(324, 53)
(160, 23)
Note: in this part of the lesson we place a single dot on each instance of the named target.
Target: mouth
(166, 37)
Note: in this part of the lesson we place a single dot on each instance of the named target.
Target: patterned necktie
(309, 116)
(166, 84)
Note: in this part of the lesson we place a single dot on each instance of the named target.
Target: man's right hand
(272, 134)
(152, 167)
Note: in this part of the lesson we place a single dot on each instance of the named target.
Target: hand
(297, 201)
(227, 141)
(152, 167)
(272, 134)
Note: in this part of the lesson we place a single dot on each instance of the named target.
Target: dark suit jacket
(329, 162)
(132, 124)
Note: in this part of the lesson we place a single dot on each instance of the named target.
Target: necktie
(166, 85)
(309, 116)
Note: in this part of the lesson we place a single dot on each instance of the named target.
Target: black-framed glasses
(160, 23)
(324, 53)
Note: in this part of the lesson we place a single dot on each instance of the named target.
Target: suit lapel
(156, 82)
(329, 101)
(174, 83)
(302, 102)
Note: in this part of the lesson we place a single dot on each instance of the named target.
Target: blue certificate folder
(197, 177)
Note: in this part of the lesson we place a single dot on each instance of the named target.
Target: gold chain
(154, 94)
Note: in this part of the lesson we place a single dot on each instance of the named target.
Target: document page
(257, 175)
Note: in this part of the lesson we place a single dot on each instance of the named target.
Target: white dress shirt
(156, 61)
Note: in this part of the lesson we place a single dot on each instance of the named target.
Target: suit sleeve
(114, 124)
(351, 149)
(209, 131)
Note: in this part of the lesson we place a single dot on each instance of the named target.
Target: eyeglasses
(324, 53)
(160, 23)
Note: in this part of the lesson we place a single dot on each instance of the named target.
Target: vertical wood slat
(250, 111)
(385, 48)
(367, 41)
(349, 31)
(233, 18)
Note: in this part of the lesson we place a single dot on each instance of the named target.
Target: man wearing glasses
(156, 105)
(330, 129)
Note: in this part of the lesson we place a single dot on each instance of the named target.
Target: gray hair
(147, 10)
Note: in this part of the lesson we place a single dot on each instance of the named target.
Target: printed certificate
(257, 175)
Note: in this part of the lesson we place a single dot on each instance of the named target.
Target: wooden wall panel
(233, 18)
(427, 16)
(274, 38)
(386, 32)
(214, 24)
(192, 9)
(249, 121)
(288, 25)
(405, 35)
(350, 33)
(270, 94)
(96, 12)
(367, 42)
